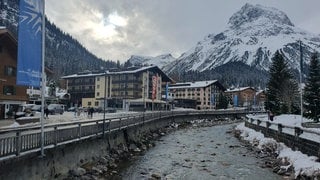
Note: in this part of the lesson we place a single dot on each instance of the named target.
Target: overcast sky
(117, 29)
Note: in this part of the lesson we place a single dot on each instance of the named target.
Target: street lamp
(144, 94)
(104, 102)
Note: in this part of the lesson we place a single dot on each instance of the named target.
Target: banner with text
(154, 87)
(30, 43)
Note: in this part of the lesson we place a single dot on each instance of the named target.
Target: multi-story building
(11, 95)
(199, 94)
(81, 86)
(241, 97)
(135, 88)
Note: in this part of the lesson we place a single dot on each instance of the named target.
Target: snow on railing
(18, 141)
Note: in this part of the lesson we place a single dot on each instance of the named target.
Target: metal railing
(298, 138)
(22, 140)
(292, 130)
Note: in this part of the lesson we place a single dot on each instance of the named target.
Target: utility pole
(301, 68)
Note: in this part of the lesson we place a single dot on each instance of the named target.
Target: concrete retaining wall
(63, 158)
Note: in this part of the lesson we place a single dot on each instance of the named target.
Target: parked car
(71, 109)
(56, 108)
(36, 108)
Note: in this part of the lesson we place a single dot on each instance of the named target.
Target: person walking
(46, 112)
(91, 112)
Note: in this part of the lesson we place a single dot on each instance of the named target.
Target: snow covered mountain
(160, 61)
(253, 35)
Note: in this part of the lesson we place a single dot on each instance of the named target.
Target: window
(96, 103)
(98, 79)
(98, 94)
(9, 90)
(98, 86)
(89, 103)
(10, 71)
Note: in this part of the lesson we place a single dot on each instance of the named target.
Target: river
(199, 153)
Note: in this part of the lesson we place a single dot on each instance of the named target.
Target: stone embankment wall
(295, 142)
(61, 159)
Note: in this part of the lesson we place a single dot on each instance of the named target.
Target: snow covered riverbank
(303, 165)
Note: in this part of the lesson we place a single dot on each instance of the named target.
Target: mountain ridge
(255, 32)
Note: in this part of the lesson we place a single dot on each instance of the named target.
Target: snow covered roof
(238, 89)
(165, 77)
(134, 70)
(82, 75)
(259, 92)
(196, 84)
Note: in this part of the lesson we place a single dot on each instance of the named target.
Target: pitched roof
(196, 84)
(141, 69)
(238, 89)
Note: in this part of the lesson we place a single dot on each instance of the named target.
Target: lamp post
(144, 93)
(300, 81)
(104, 101)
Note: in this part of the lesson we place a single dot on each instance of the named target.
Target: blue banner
(212, 99)
(30, 43)
(235, 100)
(167, 91)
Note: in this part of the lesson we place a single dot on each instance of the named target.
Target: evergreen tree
(312, 90)
(282, 89)
(222, 102)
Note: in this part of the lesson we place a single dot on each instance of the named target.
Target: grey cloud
(155, 27)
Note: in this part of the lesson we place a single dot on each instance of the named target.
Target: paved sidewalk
(6, 122)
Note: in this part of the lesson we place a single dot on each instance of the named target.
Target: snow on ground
(303, 164)
(72, 117)
(290, 120)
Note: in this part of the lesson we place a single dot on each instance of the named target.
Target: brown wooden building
(11, 95)
(241, 97)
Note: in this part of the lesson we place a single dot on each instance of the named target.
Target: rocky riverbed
(202, 149)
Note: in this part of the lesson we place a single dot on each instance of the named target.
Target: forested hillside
(63, 54)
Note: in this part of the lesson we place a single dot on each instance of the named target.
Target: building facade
(199, 95)
(11, 95)
(80, 86)
(135, 88)
(242, 97)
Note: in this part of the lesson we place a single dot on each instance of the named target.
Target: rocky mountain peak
(249, 14)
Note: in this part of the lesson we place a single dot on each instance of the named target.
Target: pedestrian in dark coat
(91, 112)
(46, 112)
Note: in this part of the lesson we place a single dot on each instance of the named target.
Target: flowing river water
(199, 153)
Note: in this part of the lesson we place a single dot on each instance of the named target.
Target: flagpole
(43, 80)
(301, 67)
